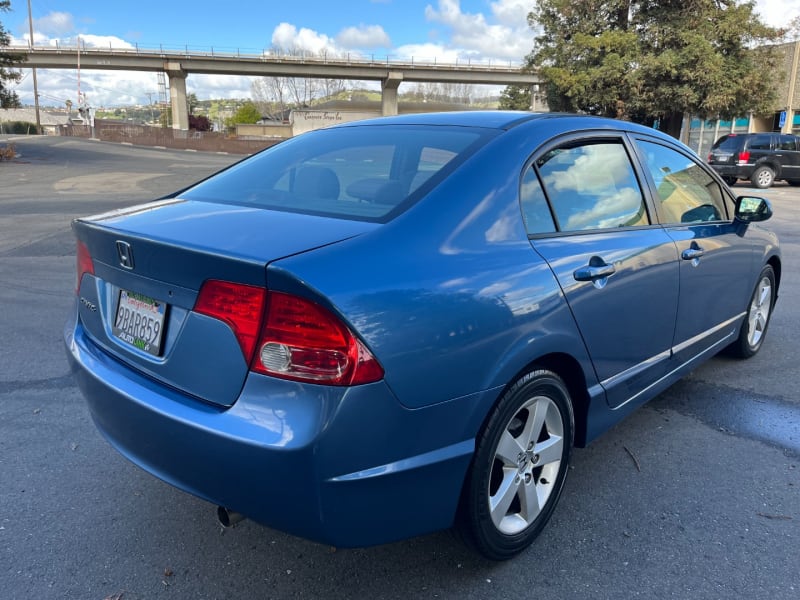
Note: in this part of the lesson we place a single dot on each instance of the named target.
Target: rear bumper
(738, 171)
(343, 466)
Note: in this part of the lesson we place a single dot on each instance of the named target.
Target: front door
(714, 254)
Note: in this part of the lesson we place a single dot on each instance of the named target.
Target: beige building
(334, 112)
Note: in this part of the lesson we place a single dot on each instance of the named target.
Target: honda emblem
(125, 253)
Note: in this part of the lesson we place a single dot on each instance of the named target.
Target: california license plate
(140, 321)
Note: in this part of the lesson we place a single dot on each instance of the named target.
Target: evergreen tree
(515, 97)
(8, 98)
(648, 60)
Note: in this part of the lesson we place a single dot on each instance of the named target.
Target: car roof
(501, 119)
(494, 119)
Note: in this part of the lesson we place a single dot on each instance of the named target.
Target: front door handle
(596, 269)
(692, 253)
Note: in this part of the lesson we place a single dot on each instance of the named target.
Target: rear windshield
(729, 143)
(369, 173)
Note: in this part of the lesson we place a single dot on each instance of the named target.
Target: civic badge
(125, 253)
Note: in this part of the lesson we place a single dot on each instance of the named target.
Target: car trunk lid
(149, 263)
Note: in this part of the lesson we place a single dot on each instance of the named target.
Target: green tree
(8, 98)
(192, 102)
(165, 119)
(653, 60)
(246, 113)
(515, 97)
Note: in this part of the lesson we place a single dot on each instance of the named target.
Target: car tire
(794, 182)
(519, 466)
(763, 177)
(759, 311)
(731, 181)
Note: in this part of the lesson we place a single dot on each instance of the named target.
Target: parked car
(390, 327)
(760, 157)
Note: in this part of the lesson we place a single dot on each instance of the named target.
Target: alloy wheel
(526, 465)
(760, 308)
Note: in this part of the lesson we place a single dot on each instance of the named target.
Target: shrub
(199, 123)
(19, 127)
(7, 152)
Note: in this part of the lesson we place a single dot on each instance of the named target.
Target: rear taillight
(288, 336)
(303, 341)
(240, 306)
(83, 263)
(744, 157)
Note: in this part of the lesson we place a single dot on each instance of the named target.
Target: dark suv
(760, 157)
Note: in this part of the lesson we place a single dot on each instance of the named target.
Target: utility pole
(35, 85)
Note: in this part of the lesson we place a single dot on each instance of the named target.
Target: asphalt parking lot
(697, 495)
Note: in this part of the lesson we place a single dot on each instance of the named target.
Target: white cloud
(363, 36)
(104, 41)
(511, 13)
(287, 37)
(427, 53)
(57, 23)
(209, 87)
(510, 40)
(101, 88)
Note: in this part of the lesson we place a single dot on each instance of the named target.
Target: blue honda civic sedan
(395, 326)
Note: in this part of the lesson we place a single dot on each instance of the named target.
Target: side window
(760, 142)
(592, 186)
(787, 142)
(687, 194)
(535, 211)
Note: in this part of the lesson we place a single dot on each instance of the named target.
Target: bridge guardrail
(173, 53)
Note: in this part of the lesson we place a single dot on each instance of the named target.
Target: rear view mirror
(750, 209)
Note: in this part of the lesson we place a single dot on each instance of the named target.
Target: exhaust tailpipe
(227, 517)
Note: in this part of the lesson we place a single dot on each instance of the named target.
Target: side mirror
(750, 209)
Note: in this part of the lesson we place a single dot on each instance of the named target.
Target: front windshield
(371, 172)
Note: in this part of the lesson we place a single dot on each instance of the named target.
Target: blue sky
(446, 30)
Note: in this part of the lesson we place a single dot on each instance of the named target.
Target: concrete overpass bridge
(178, 64)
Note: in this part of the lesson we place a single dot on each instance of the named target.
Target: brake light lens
(303, 341)
(83, 263)
(240, 306)
(744, 157)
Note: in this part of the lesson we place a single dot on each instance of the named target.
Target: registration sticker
(140, 321)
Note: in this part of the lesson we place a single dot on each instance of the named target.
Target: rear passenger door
(759, 147)
(715, 255)
(587, 216)
(788, 154)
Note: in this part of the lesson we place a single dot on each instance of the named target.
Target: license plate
(140, 321)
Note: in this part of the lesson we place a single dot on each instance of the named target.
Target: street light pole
(35, 85)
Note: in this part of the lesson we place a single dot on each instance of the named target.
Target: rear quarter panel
(450, 296)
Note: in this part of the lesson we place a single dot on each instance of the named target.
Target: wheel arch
(775, 262)
(773, 165)
(568, 368)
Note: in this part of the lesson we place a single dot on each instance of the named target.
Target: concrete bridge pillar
(177, 95)
(389, 93)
